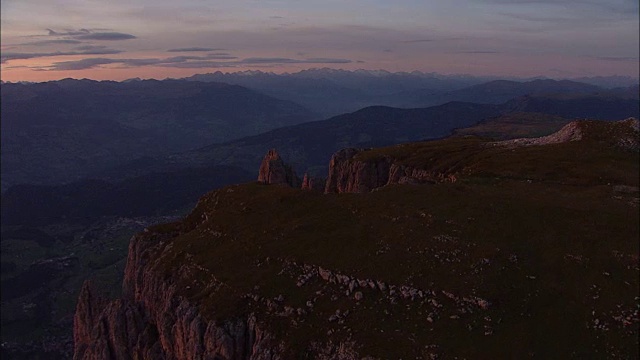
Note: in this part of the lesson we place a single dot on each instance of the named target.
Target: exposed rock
(274, 171)
(570, 132)
(153, 322)
(88, 311)
(623, 133)
(401, 174)
(347, 175)
(312, 183)
(633, 123)
(324, 274)
(352, 171)
(629, 140)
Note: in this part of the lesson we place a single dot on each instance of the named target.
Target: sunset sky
(118, 39)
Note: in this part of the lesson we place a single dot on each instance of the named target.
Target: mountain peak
(273, 170)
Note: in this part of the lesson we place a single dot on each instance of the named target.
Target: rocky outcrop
(274, 171)
(347, 174)
(401, 174)
(152, 320)
(354, 171)
(629, 139)
(623, 134)
(312, 183)
(570, 132)
(112, 330)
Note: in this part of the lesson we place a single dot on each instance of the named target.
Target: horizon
(371, 72)
(121, 39)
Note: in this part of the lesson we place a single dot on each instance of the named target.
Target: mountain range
(329, 92)
(308, 145)
(62, 130)
(65, 130)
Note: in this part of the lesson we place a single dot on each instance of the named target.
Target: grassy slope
(556, 257)
(516, 125)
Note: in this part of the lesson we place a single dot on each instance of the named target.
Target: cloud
(193, 49)
(89, 47)
(254, 61)
(109, 36)
(89, 34)
(616, 6)
(621, 58)
(417, 41)
(52, 42)
(207, 61)
(571, 13)
(7, 56)
(82, 64)
(260, 60)
(215, 56)
(537, 18)
(200, 64)
(68, 37)
(326, 61)
(479, 52)
(68, 32)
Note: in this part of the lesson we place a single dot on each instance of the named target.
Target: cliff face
(348, 174)
(274, 171)
(312, 183)
(152, 321)
(357, 171)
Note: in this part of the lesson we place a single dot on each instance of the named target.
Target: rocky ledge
(348, 174)
(153, 321)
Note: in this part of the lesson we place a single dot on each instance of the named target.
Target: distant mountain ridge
(329, 92)
(66, 130)
(307, 146)
(498, 91)
(602, 81)
(62, 130)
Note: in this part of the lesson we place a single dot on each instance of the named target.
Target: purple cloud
(193, 49)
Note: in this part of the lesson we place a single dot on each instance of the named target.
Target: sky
(119, 39)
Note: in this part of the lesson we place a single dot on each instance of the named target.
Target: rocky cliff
(274, 171)
(154, 321)
(312, 183)
(363, 170)
(351, 173)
